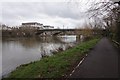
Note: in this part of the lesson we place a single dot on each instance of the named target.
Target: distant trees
(27, 31)
(87, 31)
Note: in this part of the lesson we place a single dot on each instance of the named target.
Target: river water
(17, 51)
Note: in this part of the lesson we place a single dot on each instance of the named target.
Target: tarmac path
(101, 62)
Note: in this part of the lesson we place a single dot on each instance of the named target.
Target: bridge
(51, 32)
(57, 31)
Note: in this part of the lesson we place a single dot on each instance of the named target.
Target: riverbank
(56, 66)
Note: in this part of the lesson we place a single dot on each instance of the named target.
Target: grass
(56, 66)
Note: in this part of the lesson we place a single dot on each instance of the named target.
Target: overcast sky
(55, 13)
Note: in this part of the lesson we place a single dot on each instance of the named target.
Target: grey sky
(48, 13)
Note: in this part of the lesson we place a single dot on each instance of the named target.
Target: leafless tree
(104, 15)
(109, 14)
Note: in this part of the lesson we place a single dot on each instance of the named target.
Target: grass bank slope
(56, 66)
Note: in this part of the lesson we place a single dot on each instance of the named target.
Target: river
(17, 51)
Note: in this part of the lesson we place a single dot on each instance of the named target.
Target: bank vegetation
(59, 65)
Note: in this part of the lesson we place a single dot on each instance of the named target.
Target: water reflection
(17, 51)
(68, 39)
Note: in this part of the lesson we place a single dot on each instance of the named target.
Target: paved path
(101, 62)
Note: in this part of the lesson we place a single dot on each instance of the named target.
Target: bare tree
(104, 14)
(109, 14)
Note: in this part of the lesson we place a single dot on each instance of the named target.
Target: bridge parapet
(55, 32)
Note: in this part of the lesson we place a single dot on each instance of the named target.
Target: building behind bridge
(24, 30)
(31, 25)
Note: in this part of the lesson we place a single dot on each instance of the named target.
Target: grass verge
(56, 66)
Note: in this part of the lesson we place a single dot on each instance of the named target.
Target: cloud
(49, 13)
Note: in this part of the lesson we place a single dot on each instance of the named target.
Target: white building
(32, 25)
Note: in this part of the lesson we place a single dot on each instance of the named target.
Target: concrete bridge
(50, 32)
(55, 32)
